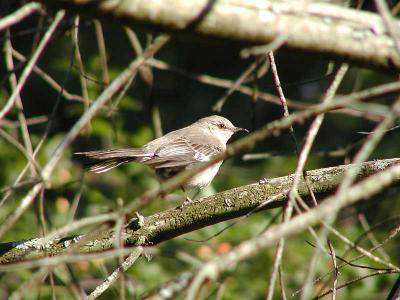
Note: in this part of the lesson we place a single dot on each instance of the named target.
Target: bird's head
(220, 127)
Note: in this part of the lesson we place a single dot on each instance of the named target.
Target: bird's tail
(105, 160)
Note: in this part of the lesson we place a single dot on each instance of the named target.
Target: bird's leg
(188, 199)
(198, 190)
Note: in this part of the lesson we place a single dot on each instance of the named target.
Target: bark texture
(341, 33)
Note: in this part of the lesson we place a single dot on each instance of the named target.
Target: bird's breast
(203, 178)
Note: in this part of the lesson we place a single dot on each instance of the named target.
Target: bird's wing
(181, 152)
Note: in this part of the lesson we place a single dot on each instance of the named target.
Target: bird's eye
(221, 125)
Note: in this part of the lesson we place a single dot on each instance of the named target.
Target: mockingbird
(176, 151)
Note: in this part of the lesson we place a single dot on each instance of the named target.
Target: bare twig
(21, 115)
(102, 51)
(28, 68)
(145, 70)
(223, 83)
(105, 96)
(390, 23)
(66, 258)
(352, 245)
(19, 15)
(356, 280)
(310, 138)
(21, 149)
(129, 261)
(48, 79)
(287, 213)
(335, 269)
(371, 236)
(78, 59)
(361, 156)
(238, 82)
(283, 293)
(364, 253)
(333, 204)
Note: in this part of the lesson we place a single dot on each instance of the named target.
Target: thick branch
(341, 33)
(210, 210)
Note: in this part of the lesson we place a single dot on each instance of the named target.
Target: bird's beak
(237, 129)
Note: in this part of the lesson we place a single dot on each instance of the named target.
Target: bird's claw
(186, 202)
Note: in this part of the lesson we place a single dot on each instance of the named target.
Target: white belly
(203, 178)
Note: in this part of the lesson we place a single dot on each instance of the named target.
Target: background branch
(342, 33)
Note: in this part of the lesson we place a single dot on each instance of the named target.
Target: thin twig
(78, 59)
(364, 253)
(350, 176)
(356, 280)
(28, 68)
(287, 212)
(364, 189)
(223, 83)
(21, 148)
(390, 23)
(335, 270)
(129, 261)
(64, 259)
(28, 200)
(371, 236)
(226, 84)
(147, 74)
(238, 82)
(347, 263)
(20, 14)
(21, 116)
(145, 71)
(283, 293)
(102, 51)
(49, 80)
(309, 140)
(105, 96)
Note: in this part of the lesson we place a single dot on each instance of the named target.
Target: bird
(174, 152)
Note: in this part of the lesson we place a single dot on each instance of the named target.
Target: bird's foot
(186, 202)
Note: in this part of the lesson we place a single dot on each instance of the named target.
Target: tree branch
(270, 193)
(341, 33)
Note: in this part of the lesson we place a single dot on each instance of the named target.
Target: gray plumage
(173, 152)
